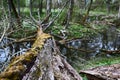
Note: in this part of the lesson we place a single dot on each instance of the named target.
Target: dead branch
(51, 22)
(63, 43)
(110, 51)
(34, 20)
(46, 18)
(27, 39)
(3, 34)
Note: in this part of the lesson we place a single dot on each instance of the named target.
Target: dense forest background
(86, 32)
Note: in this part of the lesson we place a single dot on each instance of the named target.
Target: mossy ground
(99, 61)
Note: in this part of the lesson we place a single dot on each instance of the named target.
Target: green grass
(98, 61)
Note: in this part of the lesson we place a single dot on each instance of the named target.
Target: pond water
(83, 48)
(88, 48)
(9, 50)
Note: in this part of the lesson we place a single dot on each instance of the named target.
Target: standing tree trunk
(119, 12)
(10, 15)
(48, 9)
(31, 7)
(40, 6)
(18, 7)
(12, 6)
(70, 11)
(108, 5)
(87, 14)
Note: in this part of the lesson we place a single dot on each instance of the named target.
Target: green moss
(97, 61)
(17, 65)
(24, 32)
(78, 31)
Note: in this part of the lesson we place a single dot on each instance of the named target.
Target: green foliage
(79, 31)
(102, 61)
(62, 16)
(26, 30)
(84, 77)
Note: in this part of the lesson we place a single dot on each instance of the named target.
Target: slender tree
(88, 10)
(13, 8)
(108, 5)
(18, 7)
(48, 8)
(10, 14)
(70, 11)
(40, 6)
(119, 11)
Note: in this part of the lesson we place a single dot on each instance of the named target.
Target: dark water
(91, 47)
(8, 50)
(83, 48)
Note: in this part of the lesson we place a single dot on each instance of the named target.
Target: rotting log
(111, 72)
(41, 62)
(21, 64)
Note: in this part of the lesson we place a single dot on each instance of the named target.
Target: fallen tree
(41, 62)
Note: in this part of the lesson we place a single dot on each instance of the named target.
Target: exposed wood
(111, 72)
(41, 62)
(21, 64)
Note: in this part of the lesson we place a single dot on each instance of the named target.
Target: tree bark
(48, 9)
(18, 7)
(108, 5)
(111, 72)
(12, 6)
(119, 11)
(41, 62)
(10, 14)
(87, 14)
(70, 11)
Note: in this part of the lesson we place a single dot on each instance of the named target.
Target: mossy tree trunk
(49, 65)
(41, 62)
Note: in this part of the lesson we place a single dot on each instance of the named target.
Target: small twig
(110, 51)
(20, 40)
(46, 18)
(34, 20)
(3, 34)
